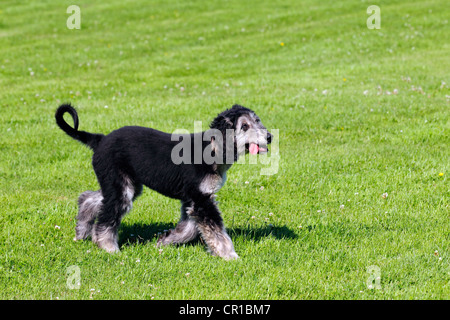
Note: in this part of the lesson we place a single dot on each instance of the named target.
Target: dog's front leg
(210, 224)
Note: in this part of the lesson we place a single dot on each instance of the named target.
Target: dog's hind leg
(89, 206)
(210, 224)
(185, 231)
(118, 197)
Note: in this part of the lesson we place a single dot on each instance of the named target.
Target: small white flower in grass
(57, 227)
(270, 214)
(366, 92)
(187, 274)
(246, 182)
(261, 188)
(300, 227)
(160, 251)
(253, 217)
(341, 206)
(395, 91)
(384, 195)
(138, 260)
(106, 107)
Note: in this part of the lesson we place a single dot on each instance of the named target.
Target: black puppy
(192, 171)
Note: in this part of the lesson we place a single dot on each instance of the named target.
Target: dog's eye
(244, 127)
(258, 120)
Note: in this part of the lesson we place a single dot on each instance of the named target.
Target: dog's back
(144, 155)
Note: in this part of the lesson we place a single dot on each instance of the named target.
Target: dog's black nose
(269, 137)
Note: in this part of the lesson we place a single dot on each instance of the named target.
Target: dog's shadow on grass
(262, 232)
(143, 233)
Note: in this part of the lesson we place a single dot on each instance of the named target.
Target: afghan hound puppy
(188, 167)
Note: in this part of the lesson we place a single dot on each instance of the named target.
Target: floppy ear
(223, 123)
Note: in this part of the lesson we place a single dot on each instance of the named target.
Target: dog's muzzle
(255, 148)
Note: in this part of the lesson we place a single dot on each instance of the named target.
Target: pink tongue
(253, 148)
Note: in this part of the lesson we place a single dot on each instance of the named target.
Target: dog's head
(249, 134)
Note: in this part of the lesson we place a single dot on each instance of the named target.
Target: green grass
(346, 146)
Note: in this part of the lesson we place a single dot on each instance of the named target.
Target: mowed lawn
(357, 209)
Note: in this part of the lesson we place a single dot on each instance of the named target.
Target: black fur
(130, 157)
(91, 140)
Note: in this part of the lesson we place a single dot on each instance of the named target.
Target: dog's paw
(226, 256)
(109, 247)
(162, 240)
(231, 256)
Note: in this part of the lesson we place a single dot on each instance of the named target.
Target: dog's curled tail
(90, 139)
